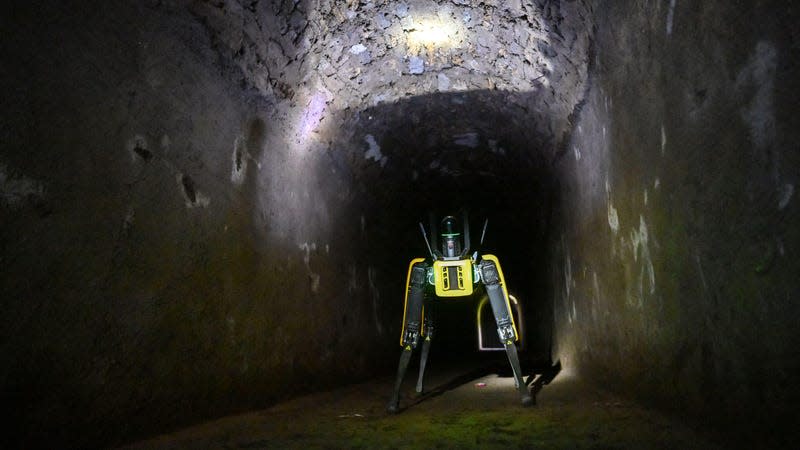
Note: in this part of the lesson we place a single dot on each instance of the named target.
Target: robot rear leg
(505, 327)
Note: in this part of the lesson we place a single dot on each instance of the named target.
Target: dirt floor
(465, 408)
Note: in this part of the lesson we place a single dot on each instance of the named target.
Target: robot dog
(453, 272)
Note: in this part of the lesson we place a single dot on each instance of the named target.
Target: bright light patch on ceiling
(433, 33)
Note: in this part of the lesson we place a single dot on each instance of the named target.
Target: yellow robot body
(453, 278)
(453, 274)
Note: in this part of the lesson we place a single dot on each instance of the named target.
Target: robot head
(454, 235)
(451, 237)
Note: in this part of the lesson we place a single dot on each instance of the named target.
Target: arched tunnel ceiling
(417, 77)
(471, 145)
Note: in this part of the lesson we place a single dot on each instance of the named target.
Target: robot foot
(527, 401)
(393, 408)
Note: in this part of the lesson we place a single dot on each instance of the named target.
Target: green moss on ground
(569, 415)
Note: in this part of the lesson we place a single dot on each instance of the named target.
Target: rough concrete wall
(678, 261)
(169, 252)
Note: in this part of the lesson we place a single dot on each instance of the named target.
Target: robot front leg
(426, 348)
(415, 293)
(405, 357)
(505, 326)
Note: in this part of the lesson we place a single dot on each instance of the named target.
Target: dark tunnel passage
(209, 208)
(471, 151)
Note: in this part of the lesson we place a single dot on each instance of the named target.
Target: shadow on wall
(246, 156)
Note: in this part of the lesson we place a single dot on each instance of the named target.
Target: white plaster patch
(759, 114)
(127, 223)
(135, 146)
(308, 248)
(596, 297)
(577, 152)
(165, 143)
(240, 159)
(700, 271)
(416, 65)
(442, 82)
(670, 16)
(639, 244)
(567, 274)
(786, 195)
(313, 277)
(358, 49)
(314, 282)
(379, 98)
(200, 200)
(613, 218)
(494, 148)
(352, 279)
(466, 139)
(16, 190)
(374, 151)
(760, 73)
(622, 245)
(638, 238)
(656, 183)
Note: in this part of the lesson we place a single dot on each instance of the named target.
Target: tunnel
(208, 208)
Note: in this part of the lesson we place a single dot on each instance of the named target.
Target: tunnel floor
(462, 408)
